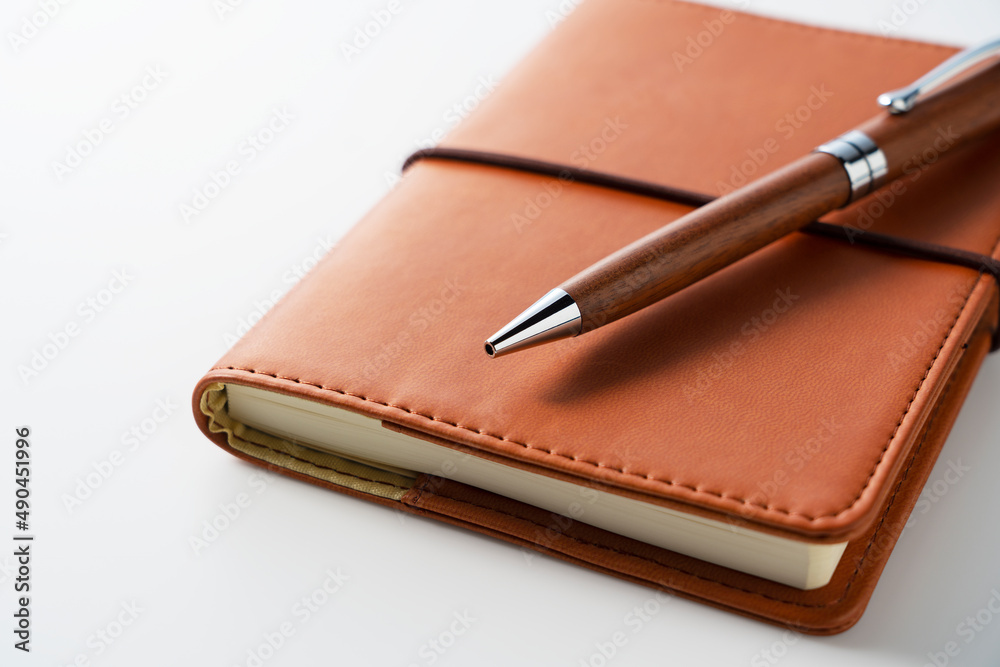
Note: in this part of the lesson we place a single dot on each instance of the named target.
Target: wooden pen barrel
(730, 228)
(962, 112)
(708, 239)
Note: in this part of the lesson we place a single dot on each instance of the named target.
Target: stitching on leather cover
(422, 487)
(909, 403)
(694, 489)
(596, 464)
(418, 490)
(831, 603)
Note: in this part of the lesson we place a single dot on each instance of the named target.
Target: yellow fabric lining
(285, 454)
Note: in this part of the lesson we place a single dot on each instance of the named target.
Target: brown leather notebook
(792, 404)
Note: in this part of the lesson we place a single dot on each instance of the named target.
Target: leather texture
(804, 391)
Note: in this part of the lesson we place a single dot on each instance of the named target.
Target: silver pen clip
(902, 100)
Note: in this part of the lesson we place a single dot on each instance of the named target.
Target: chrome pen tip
(552, 317)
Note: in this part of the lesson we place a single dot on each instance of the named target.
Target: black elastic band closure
(894, 244)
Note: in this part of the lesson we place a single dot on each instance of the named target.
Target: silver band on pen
(862, 159)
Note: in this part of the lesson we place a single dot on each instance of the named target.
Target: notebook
(755, 441)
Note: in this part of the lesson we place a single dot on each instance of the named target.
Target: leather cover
(804, 391)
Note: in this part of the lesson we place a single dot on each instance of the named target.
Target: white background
(189, 285)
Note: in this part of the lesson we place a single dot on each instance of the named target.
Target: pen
(710, 238)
